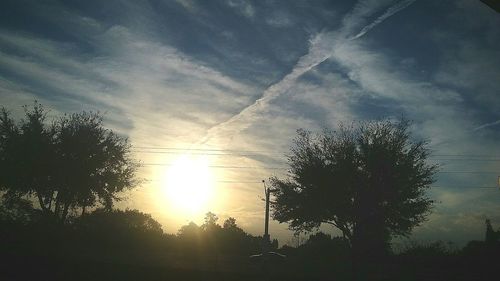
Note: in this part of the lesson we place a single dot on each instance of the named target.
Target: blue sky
(245, 75)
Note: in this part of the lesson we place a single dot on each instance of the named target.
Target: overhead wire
(279, 152)
(286, 168)
(236, 152)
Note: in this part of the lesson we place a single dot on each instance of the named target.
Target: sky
(223, 85)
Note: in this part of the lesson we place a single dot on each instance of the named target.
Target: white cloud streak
(486, 125)
(389, 12)
(321, 48)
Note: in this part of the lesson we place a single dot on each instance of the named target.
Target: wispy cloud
(487, 125)
(243, 7)
(151, 92)
(389, 12)
(321, 48)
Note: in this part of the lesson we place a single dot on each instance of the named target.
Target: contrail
(321, 48)
(305, 63)
(389, 12)
(486, 125)
(454, 139)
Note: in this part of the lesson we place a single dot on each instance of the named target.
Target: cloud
(459, 215)
(320, 49)
(487, 125)
(279, 20)
(151, 92)
(243, 7)
(189, 5)
(163, 77)
(389, 12)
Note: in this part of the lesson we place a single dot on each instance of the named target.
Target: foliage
(116, 221)
(426, 250)
(27, 154)
(18, 211)
(230, 224)
(210, 224)
(321, 244)
(491, 236)
(211, 238)
(73, 163)
(368, 181)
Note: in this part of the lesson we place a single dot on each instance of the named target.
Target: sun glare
(188, 184)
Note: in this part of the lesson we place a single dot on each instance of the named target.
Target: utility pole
(265, 256)
(266, 238)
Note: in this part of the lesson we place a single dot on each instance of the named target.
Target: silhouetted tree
(491, 236)
(211, 238)
(72, 163)
(230, 224)
(16, 210)
(323, 245)
(118, 221)
(235, 240)
(189, 230)
(27, 154)
(368, 181)
(94, 163)
(210, 222)
(274, 244)
(319, 238)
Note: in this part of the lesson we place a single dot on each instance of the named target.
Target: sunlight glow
(188, 184)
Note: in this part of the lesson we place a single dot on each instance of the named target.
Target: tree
(491, 236)
(369, 181)
(211, 238)
(111, 224)
(230, 225)
(210, 222)
(73, 163)
(94, 163)
(27, 154)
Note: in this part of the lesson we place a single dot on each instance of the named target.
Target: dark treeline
(59, 181)
(129, 244)
(322, 257)
(30, 237)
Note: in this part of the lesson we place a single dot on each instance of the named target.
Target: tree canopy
(210, 237)
(72, 163)
(369, 181)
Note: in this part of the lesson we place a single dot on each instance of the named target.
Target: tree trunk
(50, 201)
(65, 212)
(40, 201)
(57, 208)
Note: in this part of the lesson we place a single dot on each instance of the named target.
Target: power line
(468, 172)
(468, 159)
(433, 186)
(223, 181)
(459, 187)
(465, 155)
(286, 168)
(201, 153)
(202, 149)
(221, 166)
(281, 152)
(230, 152)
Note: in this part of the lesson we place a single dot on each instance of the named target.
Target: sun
(188, 184)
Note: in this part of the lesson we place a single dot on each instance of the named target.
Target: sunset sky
(211, 93)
